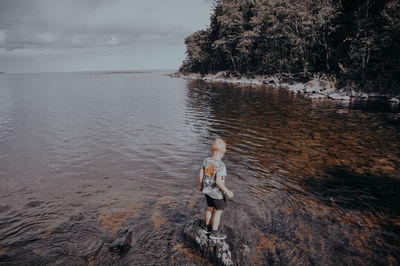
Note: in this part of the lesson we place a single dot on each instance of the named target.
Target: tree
(197, 52)
(356, 40)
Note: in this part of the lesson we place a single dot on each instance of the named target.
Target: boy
(212, 184)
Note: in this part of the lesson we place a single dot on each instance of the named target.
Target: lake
(86, 154)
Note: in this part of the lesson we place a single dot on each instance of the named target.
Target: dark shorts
(218, 204)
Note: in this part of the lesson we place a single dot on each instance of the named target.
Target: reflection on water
(84, 154)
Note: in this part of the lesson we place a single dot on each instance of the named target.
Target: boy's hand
(229, 194)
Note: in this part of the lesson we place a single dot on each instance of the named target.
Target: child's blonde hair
(219, 145)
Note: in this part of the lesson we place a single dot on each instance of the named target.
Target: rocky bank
(320, 87)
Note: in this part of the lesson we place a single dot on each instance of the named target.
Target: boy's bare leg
(217, 218)
(209, 213)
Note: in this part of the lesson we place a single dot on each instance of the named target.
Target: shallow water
(84, 154)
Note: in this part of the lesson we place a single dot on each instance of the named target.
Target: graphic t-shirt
(212, 169)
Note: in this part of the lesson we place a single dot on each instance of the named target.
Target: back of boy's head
(219, 145)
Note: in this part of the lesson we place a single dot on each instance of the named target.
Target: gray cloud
(40, 26)
(63, 24)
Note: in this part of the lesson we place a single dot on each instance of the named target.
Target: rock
(256, 82)
(352, 93)
(296, 87)
(317, 96)
(328, 91)
(337, 96)
(364, 95)
(217, 252)
(312, 86)
(312, 89)
(323, 83)
(122, 242)
(346, 98)
(271, 82)
(272, 79)
(394, 100)
(223, 74)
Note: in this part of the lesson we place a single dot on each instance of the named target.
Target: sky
(90, 35)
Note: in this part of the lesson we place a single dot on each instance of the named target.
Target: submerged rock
(122, 242)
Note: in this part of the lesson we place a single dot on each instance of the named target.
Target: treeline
(358, 41)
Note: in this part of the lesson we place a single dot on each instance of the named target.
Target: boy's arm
(201, 179)
(222, 186)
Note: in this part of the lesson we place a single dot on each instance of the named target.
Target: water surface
(84, 154)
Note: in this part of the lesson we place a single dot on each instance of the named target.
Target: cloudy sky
(81, 35)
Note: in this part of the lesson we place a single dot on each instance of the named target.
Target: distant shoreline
(319, 87)
(126, 72)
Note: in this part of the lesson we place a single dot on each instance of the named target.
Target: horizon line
(92, 71)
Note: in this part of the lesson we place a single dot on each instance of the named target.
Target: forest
(355, 41)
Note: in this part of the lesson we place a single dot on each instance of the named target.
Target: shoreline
(320, 87)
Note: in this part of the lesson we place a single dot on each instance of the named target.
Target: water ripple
(95, 153)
